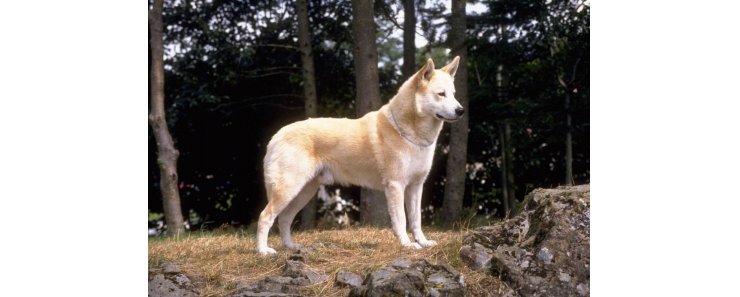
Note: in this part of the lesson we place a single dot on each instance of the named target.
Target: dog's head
(435, 91)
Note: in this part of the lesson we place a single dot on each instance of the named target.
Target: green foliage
(155, 216)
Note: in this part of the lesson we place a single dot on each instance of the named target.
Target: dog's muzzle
(439, 116)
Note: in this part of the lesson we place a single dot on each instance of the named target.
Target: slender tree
(563, 29)
(568, 142)
(456, 159)
(373, 206)
(507, 153)
(567, 89)
(503, 140)
(167, 153)
(308, 214)
(409, 36)
(504, 169)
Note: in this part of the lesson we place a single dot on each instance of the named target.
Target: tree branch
(275, 45)
(387, 15)
(573, 74)
(477, 74)
(269, 74)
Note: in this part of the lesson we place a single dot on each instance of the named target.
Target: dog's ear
(426, 71)
(452, 67)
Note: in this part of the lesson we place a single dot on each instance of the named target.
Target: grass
(217, 260)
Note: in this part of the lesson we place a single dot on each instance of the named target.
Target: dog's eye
(441, 94)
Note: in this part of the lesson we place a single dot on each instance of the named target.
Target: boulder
(411, 278)
(170, 282)
(295, 275)
(346, 278)
(476, 256)
(542, 251)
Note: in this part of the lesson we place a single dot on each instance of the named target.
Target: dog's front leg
(394, 193)
(413, 205)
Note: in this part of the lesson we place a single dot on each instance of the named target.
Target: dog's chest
(419, 162)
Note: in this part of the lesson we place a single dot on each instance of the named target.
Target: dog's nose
(460, 111)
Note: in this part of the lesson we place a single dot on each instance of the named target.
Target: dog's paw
(412, 245)
(427, 243)
(266, 251)
(293, 246)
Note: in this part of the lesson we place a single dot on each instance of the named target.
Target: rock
(270, 286)
(346, 278)
(477, 257)
(582, 289)
(545, 255)
(301, 274)
(445, 282)
(390, 281)
(401, 263)
(542, 251)
(295, 275)
(171, 283)
(412, 278)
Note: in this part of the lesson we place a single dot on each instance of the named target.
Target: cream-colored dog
(390, 149)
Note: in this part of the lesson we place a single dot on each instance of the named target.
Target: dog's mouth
(439, 116)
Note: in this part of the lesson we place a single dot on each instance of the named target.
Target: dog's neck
(414, 126)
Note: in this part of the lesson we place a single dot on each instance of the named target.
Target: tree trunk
(568, 125)
(509, 166)
(567, 88)
(507, 153)
(504, 171)
(568, 142)
(308, 214)
(457, 157)
(167, 153)
(409, 37)
(373, 209)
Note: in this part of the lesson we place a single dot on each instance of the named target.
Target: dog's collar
(395, 125)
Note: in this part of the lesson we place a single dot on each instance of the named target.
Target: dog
(389, 150)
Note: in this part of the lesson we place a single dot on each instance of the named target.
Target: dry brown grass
(217, 260)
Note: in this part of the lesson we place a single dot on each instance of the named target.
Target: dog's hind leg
(286, 217)
(277, 202)
(285, 176)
